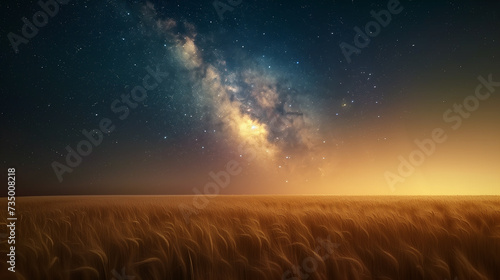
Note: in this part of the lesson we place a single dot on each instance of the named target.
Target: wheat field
(255, 237)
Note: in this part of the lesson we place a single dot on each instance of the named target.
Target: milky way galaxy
(264, 84)
(249, 104)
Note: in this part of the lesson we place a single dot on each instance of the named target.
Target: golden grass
(259, 237)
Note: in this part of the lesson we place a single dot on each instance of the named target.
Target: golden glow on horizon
(467, 163)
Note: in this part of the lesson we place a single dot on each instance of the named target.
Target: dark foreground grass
(260, 237)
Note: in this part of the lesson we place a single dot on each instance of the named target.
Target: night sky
(264, 89)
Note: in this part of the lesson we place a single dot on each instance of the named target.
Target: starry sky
(151, 97)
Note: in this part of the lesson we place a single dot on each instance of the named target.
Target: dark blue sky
(280, 67)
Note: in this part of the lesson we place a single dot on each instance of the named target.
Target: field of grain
(255, 237)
